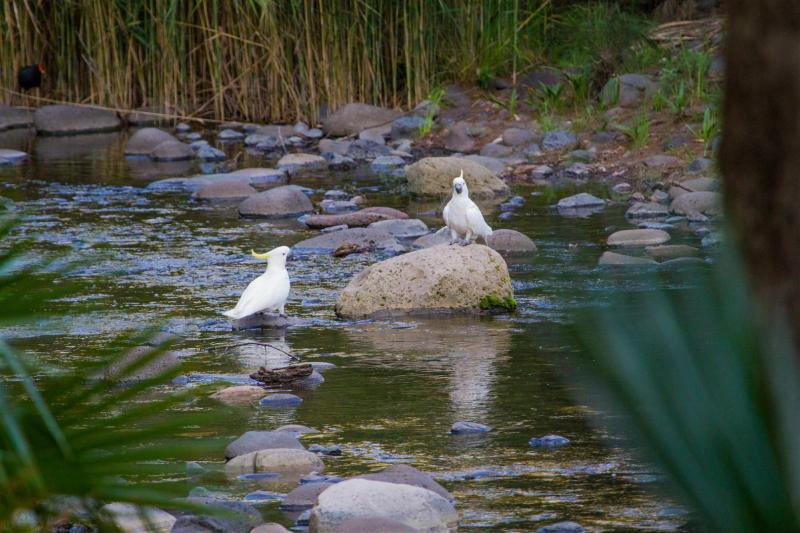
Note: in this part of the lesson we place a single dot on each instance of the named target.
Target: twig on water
(265, 345)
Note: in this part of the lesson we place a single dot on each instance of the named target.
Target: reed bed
(265, 60)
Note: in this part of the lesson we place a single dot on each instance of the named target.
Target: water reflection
(466, 349)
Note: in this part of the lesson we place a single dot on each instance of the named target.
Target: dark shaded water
(398, 385)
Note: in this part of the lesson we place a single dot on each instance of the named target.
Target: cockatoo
(463, 217)
(269, 291)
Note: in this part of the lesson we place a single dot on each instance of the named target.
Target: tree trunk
(760, 155)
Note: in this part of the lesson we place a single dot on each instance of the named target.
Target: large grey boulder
(628, 90)
(433, 176)
(239, 394)
(364, 238)
(145, 140)
(441, 279)
(418, 508)
(288, 460)
(253, 441)
(353, 118)
(281, 202)
(373, 525)
(15, 117)
(74, 120)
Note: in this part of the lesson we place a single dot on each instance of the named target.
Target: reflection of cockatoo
(463, 217)
(269, 291)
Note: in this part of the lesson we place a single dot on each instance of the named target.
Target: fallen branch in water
(265, 345)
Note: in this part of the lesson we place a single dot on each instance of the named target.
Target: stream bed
(159, 257)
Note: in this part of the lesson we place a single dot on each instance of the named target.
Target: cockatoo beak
(260, 256)
(458, 188)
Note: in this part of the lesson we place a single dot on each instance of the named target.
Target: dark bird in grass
(30, 77)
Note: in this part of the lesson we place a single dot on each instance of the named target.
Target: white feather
(462, 216)
(269, 291)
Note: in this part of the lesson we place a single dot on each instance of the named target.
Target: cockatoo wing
(475, 219)
(446, 214)
(266, 292)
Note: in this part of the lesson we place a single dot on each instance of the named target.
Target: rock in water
(252, 441)
(440, 279)
(74, 120)
(415, 507)
(468, 428)
(511, 242)
(281, 202)
(239, 394)
(353, 118)
(131, 519)
(433, 176)
(14, 117)
(638, 237)
(561, 527)
(705, 202)
(145, 140)
(548, 441)
(275, 460)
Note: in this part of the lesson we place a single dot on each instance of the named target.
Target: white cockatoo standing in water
(463, 217)
(269, 291)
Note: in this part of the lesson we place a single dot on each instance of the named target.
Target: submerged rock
(441, 279)
(275, 460)
(74, 120)
(252, 441)
(276, 401)
(666, 252)
(548, 441)
(468, 428)
(615, 259)
(433, 176)
(353, 118)
(281, 202)
(415, 507)
(638, 237)
(561, 527)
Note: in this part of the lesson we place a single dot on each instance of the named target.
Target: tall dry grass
(264, 60)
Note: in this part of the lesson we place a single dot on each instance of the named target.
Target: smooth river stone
(275, 460)
(638, 237)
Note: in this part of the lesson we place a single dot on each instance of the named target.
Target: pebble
(336, 194)
(230, 135)
(548, 441)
